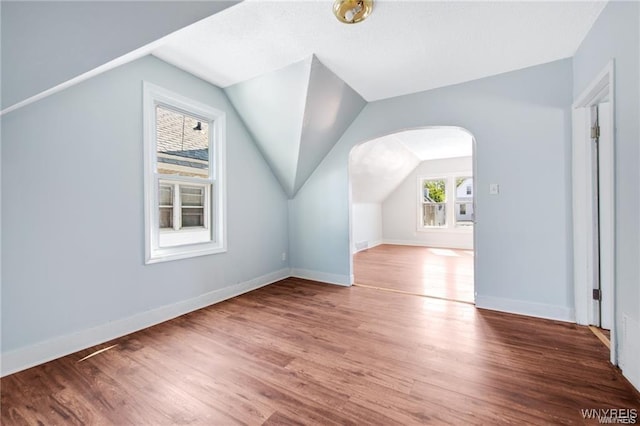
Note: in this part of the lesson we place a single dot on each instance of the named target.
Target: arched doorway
(412, 210)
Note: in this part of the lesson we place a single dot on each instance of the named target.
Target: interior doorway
(594, 207)
(412, 211)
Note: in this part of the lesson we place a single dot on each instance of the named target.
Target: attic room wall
(616, 35)
(366, 225)
(73, 222)
(521, 122)
(399, 210)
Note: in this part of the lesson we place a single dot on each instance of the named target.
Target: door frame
(601, 89)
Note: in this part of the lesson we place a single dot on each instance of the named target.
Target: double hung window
(434, 203)
(184, 176)
(445, 202)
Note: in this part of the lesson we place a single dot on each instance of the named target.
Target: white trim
(23, 358)
(520, 307)
(324, 277)
(601, 89)
(425, 244)
(607, 220)
(369, 246)
(152, 96)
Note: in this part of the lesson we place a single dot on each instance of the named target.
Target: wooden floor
(434, 272)
(298, 352)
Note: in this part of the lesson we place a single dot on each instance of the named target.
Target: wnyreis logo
(628, 416)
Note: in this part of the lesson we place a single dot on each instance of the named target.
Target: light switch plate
(494, 188)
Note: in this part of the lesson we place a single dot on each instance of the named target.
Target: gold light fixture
(352, 11)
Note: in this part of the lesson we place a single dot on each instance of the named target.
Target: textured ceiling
(403, 47)
(378, 166)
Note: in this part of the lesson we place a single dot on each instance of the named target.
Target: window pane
(434, 214)
(165, 196)
(182, 144)
(192, 195)
(434, 191)
(464, 201)
(434, 196)
(192, 216)
(166, 217)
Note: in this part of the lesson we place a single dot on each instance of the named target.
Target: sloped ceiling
(378, 166)
(46, 43)
(296, 115)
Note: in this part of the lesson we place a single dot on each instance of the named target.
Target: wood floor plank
(299, 352)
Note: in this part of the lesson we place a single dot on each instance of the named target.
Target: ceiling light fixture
(352, 11)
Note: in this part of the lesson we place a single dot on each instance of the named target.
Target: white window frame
(191, 242)
(450, 202)
(421, 202)
(457, 201)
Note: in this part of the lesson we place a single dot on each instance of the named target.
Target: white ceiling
(403, 47)
(434, 143)
(378, 166)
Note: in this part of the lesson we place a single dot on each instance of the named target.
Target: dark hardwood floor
(298, 352)
(427, 271)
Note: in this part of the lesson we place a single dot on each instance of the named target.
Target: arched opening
(412, 210)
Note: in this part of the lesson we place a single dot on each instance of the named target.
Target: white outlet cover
(494, 188)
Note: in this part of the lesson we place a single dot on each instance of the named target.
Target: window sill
(165, 254)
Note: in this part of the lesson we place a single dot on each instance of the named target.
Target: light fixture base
(352, 11)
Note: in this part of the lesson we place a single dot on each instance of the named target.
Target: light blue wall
(45, 43)
(72, 209)
(521, 122)
(616, 35)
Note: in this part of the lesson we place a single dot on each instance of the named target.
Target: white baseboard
(427, 244)
(372, 245)
(23, 358)
(539, 310)
(325, 277)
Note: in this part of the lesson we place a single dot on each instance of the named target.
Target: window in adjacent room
(184, 176)
(434, 203)
(445, 203)
(464, 201)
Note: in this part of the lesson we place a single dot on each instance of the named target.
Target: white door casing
(599, 92)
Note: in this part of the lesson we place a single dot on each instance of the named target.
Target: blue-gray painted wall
(72, 209)
(521, 122)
